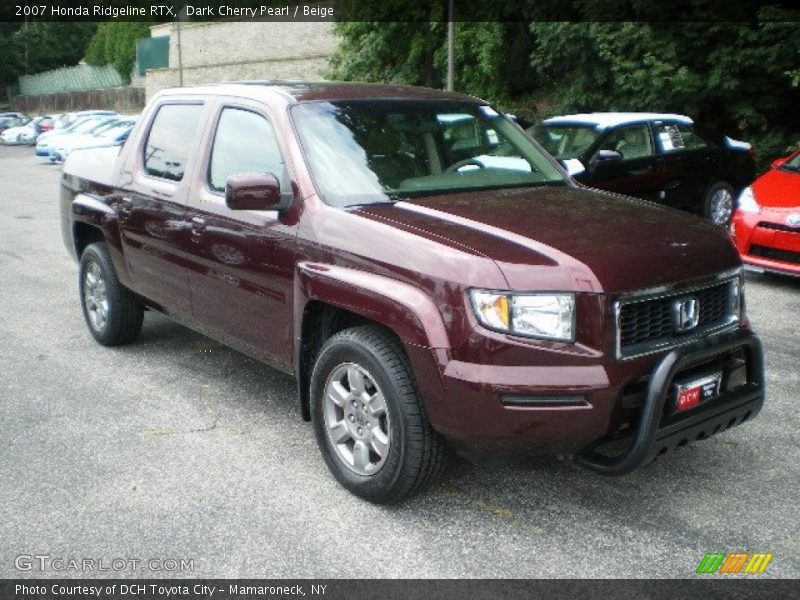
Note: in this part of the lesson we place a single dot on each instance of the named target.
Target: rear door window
(631, 142)
(674, 137)
(170, 140)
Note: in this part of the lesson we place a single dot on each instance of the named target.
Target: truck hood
(565, 238)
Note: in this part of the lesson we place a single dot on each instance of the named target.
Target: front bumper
(766, 243)
(574, 409)
(655, 435)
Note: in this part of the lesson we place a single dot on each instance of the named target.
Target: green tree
(732, 76)
(114, 43)
(10, 66)
(34, 47)
(491, 58)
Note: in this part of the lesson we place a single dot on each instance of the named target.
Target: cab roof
(605, 120)
(306, 91)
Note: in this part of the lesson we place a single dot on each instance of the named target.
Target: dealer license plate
(691, 393)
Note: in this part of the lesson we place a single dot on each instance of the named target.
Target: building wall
(227, 51)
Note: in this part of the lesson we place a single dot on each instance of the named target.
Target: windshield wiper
(389, 202)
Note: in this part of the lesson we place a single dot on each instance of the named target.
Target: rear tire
(113, 315)
(368, 419)
(718, 204)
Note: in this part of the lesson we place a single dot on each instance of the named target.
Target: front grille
(778, 227)
(647, 324)
(775, 254)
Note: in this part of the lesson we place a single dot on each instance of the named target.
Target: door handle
(125, 207)
(198, 226)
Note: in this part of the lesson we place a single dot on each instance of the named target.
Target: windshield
(116, 130)
(101, 125)
(363, 152)
(793, 164)
(83, 126)
(565, 141)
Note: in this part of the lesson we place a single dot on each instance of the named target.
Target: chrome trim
(677, 288)
(91, 203)
(667, 291)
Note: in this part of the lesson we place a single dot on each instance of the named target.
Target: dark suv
(660, 157)
(424, 270)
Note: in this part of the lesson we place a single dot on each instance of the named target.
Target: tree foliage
(114, 44)
(733, 76)
(741, 77)
(492, 58)
(34, 47)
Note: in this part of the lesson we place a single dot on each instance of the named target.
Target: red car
(766, 226)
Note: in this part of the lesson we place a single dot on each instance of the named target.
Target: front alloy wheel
(370, 424)
(356, 419)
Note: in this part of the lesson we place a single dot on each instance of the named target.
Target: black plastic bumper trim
(520, 400)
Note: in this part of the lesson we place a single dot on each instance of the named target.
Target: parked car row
(20, 129)
(56, 136)
(11, 121)
(85, 132)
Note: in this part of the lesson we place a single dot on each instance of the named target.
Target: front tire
(718, 204)
(368, 419)
(113, 315)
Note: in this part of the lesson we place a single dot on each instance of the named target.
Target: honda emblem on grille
(685, 314)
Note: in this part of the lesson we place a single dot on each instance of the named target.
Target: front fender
(405, 309)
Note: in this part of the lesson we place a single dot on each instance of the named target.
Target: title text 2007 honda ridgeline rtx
(430, 276)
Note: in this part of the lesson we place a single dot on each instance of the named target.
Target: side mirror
(778, 162)
(254, 191)
(606, 156)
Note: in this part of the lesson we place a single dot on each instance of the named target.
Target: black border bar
(708, 587)
(417, 11)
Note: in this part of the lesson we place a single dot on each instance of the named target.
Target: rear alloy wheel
(114, 316)
(718, 206)
(368, 419)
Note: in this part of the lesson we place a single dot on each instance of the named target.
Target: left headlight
(747, 201)
(544, 316)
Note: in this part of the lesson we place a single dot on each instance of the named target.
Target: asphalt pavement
(177, 448)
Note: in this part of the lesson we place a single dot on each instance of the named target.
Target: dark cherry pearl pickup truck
(433, 279)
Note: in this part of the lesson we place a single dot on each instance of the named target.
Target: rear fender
(90, 213)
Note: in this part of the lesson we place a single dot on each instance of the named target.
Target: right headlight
(544, 316)
(747, 201)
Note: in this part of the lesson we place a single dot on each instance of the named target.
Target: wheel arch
(92, 220)
(330, 298)
(84, 234)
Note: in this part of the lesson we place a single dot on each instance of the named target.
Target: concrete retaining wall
(229, 51)
(121, 99)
